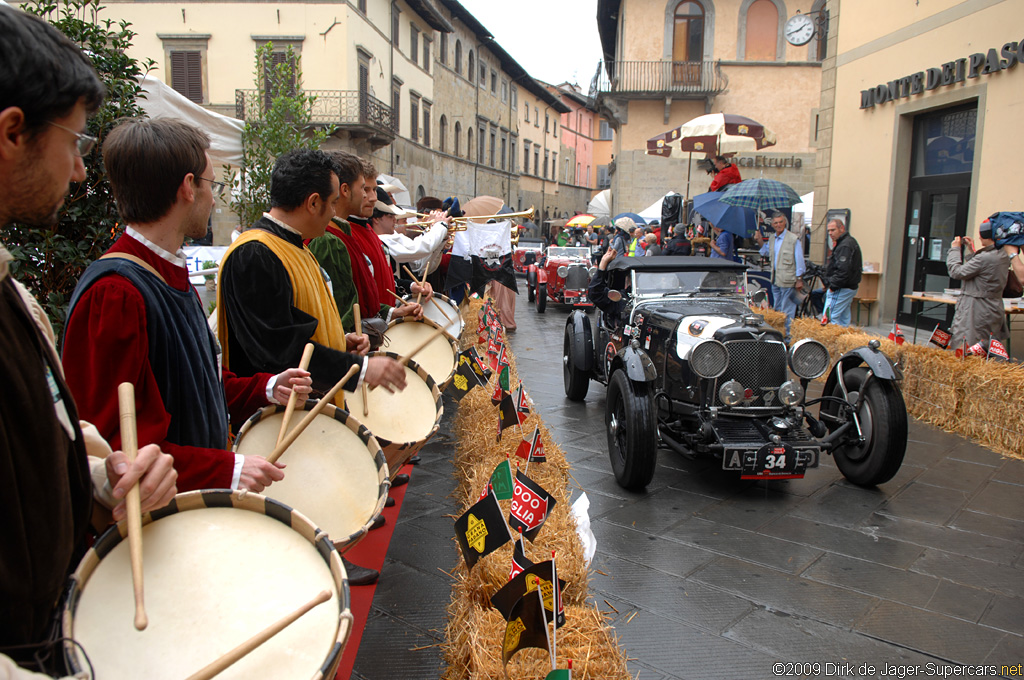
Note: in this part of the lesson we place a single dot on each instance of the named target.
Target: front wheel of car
(883, 420)
(632, 431)
(577, 382)
(531, 293)
(542, 297)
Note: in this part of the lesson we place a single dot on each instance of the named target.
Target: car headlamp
(808, 359)
(791, 393)
(592, 272)
(709, 359)
(730, 393)
(563, 271)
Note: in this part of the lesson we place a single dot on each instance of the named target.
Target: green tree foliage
(50, 261)
(277, 120)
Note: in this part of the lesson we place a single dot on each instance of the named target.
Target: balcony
(657, 79)
(358, 113)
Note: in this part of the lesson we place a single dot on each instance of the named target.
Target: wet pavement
(707, 576)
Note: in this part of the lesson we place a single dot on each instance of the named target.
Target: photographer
(726, 174)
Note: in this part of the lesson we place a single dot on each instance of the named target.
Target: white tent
(601, 204)
(653, 211)
(162, 101)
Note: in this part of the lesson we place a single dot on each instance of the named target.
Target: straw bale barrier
(978, 399)
(475, 630)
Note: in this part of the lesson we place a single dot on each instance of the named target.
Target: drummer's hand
(385, 372)
(408, 309)
(425, 288)
(357, 343)
(294, 379)
(258, 473)
(154, 471)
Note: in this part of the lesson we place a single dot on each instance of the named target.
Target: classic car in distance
(690, 365)
(525, 253)
(563, 275)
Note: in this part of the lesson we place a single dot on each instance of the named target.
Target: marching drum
(336, 475)
(453, 327)
(401, 422)
(439, 358)
(219, 567)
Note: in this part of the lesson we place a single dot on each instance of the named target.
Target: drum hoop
(435, 392)
(199, 500)
(429, 322)
(452, 340)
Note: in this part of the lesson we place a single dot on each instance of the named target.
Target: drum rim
(203, 499)
(435, 391)
(461, 321)
(452, 340)
(342, 543)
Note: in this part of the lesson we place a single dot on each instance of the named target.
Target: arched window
(687, 42)
(458, 57)
(760, 33)
(443, 130)
(470, 67)
(469, 142)
(420, 193)
(457, 137)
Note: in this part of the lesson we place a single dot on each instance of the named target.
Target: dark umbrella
(739, 221)
(633, 216)
(761, 194)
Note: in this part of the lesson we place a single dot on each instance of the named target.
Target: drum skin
(336, 473)
(439, 358)
(453, 327)
(401, 422)
(219, 567)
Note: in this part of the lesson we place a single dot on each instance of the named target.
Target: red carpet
(370, 552)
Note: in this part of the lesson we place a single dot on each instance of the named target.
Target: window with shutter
(187, 74)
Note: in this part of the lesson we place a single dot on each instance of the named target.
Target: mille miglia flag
(501, 480)
(466, 376)
(524, 584)
(531, 505)
(532, 449)
(503, 378)
(507, 414)
(526, 627)
(522, 399)
(498, 394)
(478, 365)
(481, 530)
(940, 337)
(520, 561)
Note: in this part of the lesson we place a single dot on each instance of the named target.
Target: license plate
(773, 461)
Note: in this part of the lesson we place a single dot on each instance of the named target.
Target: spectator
(652, 247)
(679, 244)
(636, 246)
(624, 227)
(842, 273)
(726, 174)
(786, 256)
(723, 245)
(979, 309)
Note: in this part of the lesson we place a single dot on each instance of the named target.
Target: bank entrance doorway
(938, 193)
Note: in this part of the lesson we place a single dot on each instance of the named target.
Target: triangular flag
(498, 394)
(507, 416)
(940, 337)
(523, 450)
(466, 376)
(896, 335)
(522, 399)
(526, 627)
(503, 378)
(977, 349)
(997, 350)
(481, 530)
(524, 583)
(501, 480)
(961, 351)
(531, 505)
(559, 674)
(537, 454)
(826, 316)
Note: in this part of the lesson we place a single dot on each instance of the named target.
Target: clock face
(799, 30)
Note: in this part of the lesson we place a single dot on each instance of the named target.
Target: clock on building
(799, 30)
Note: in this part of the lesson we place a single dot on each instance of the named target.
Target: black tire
(632, 431)
(531, 293)
(576, 381)
(542, 297)
(883, 419)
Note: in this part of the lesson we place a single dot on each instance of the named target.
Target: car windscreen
(661, 283)
(569, 251)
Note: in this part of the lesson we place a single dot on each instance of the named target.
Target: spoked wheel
(542, 297)
(632, 431)
(883, 421)
(576, 381)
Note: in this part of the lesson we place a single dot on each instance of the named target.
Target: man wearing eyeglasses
(136, 317)
(51, 465)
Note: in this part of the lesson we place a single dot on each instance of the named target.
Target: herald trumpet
(525, 214)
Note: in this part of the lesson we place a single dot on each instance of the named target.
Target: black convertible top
(674, 263)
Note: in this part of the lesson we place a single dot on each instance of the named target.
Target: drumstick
(133, 501)
(307, 354)
(255, 641)
(409, 272)
(433, 336)
(359, 329)
(310, 415)
(432, 299)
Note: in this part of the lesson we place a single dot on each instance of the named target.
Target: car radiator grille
(577, 278)
(758, 365)
(744, 433)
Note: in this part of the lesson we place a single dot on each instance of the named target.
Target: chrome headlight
(709, 359)
(808, 359)
(731, 393)
(592, 272)
(563, 271)
(791, 393)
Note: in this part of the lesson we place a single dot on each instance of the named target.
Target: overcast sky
(554, 40)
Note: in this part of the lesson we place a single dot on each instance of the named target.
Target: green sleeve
(332, 254)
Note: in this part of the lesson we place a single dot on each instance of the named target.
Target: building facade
(581, 127)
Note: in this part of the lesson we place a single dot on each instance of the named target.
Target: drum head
(431, 311)
(438, 357)
(405, 417)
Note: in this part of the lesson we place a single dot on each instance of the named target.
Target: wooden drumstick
(218, 666)
(307, 354)
(433, 336)
(133, 500)
(310, 415)
(359, 329)
(409, 272)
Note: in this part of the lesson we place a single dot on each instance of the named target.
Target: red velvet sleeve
(245, 395)
(106, 344)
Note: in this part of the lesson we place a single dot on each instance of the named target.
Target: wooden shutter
(187, 74)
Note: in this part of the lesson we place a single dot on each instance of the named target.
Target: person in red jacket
(726, 174)
(135, 317)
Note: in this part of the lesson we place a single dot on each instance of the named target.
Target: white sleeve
(405, 249)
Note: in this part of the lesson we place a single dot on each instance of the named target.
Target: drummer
(52, 463)
(134, 317)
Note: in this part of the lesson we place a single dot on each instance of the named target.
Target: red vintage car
(526, 253)
(563, 274)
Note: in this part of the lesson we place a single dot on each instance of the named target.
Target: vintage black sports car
(690, 366)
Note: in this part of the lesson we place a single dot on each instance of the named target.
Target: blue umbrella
(739, 221)
(633, 216)
(761, 194)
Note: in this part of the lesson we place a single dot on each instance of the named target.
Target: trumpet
(525, 214)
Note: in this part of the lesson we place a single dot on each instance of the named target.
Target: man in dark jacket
(679, 245)
(602, 293)
(842, 273)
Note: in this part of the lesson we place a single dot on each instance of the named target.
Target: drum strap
(137, 260)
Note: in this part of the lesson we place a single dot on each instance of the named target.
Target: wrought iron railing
(329, 107)
(661, 77)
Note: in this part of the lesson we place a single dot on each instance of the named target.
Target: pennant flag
(522, 399)
(487, 490)
(977, 349)
(504, 377)
(531, 505)
(501, 480)
(507, 416)
(997, 350)
(503, 359)
(523, 584)
(526, 627)
(499, 358)
(466, 376)
(497, 395)
(537, 454)
(481, 530)
(492, 347)
(896, 335)
(523, 450)
(559, 606)
(826, 316)
(520, 562)
(478, 365)
(940, 337)
(560, 673)
(480, 254)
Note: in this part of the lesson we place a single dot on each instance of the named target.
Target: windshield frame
(694, 289)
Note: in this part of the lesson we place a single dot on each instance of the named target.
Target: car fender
(542, 275)
(637, 364)
(581, 337)
(531, 276)
(881, 366)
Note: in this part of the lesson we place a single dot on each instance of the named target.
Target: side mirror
(758, 297)
(614, 296)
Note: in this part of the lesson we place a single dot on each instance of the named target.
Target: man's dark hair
(348, 166)
(146, 159)
(299, 174)
(42, 72)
